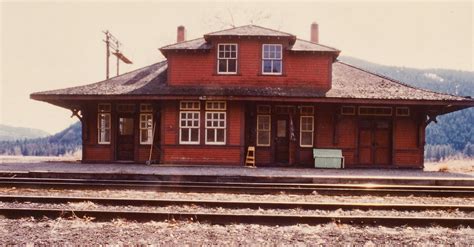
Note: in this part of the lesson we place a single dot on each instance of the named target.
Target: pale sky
(51, 45)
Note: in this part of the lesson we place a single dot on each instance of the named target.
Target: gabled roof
(303, 45)
(250, 30)
(195, 44)
(348, 83)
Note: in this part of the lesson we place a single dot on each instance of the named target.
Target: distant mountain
(10, 133)
(65, 142)
(455, 82)
(454, 131)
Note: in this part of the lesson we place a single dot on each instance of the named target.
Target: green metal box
(328, 158)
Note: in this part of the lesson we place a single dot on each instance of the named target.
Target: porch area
(284, 134)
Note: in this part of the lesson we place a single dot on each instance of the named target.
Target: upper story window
(272, 59)
(227, 59)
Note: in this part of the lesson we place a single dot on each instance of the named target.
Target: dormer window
(272, 59)
(227, 59)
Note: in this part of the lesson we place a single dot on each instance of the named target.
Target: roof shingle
(348, 82)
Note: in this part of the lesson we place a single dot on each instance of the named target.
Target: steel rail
(235, 204)
(247, 188)
(263, 184)
(215, 218)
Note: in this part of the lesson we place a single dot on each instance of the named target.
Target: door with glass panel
(125, 137)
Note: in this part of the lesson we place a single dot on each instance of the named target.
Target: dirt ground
(85, 232)
(452, 166)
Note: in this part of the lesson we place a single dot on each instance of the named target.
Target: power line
(111, 42)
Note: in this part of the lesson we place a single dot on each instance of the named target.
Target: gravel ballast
(79, 231)
(218, 210)
(315, 197)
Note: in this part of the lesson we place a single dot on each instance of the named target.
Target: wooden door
(125, 138)
(382, 141)
(374, 142)
(282, 140)
(365, 143)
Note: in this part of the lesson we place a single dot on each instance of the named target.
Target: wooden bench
(328, 158)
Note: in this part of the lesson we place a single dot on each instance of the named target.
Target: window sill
(224, 74)
(272, 75)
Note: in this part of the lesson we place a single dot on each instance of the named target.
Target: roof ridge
(274, 30)
(186, 41)
(399, 82)
(330, 47)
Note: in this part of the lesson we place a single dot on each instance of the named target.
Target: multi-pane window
(190, 105)
(306, 131)
(189, 127)
(216, 105)
(263, 130)
(215, 127)
(146, 124)
(227, 59)
(215, 122)
(272, 59)
(189, 118)
(103, 124)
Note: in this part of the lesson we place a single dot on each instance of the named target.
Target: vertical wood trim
(163, 132)
(114, 131)
(357, 138)
(243, 129)
(394, 136)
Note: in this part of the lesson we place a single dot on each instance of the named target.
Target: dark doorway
(375, 142)
(125, 138)
(282, 140)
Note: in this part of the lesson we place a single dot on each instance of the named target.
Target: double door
(375, 141)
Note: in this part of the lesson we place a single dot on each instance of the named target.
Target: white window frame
(236, 59)
(146, 108)
(183, 105)
(189, 128)
(147, 128)
(272, 59)
(269, 130)
(215, 142)
(210, 105)
(307, 131)
(104, 109)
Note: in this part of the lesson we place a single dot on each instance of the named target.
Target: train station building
(217, 95)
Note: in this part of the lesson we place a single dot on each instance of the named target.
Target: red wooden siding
(175, 153)
(408, 150)
(312, 70)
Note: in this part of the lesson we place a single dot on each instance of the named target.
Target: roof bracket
(77, 113)
(431, 118)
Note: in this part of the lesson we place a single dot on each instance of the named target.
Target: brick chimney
(181, 34)
(314, 33)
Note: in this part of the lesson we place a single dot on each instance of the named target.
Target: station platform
(199, 173)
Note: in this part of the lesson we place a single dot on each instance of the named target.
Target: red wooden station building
(215, 96)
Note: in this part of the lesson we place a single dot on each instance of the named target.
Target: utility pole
(112, 42)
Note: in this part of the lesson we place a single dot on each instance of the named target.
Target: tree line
(63, 143)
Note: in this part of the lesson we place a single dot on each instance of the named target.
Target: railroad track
(227, 218)
(234, 204)
(217, 218)
(247, 188)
